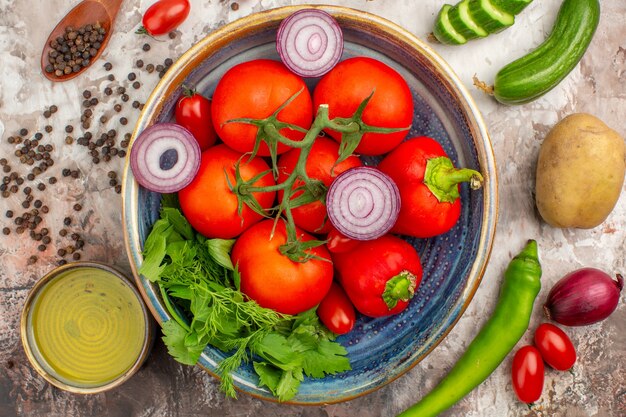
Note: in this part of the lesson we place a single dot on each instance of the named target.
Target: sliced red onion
(165, 158)
(363, 203)
(309, 42)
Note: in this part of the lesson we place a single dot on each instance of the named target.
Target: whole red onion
(582, 297)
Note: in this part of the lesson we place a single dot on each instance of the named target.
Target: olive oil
(86, 327)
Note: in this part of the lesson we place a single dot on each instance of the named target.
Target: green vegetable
(464, 23)
(490, 17)
(541, 70)
(471, 19)
(196, 276)
(511, 6)
(496, 339)
(444, 31)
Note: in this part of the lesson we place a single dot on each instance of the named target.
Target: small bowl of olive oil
(85, 328)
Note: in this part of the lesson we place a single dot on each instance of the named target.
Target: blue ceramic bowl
(380, 350)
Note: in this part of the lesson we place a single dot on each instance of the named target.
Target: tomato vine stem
(298, 182)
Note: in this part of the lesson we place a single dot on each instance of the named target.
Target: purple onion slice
(165, 158)
(363, 203)
(309, 42)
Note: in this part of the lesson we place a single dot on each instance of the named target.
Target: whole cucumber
(535, 74)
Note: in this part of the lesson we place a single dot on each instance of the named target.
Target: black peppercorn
(77, 207)
(146, 47)
(108, 66)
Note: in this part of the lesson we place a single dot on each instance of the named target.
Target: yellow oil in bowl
(85, 328)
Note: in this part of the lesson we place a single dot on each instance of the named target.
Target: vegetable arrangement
(280, 236)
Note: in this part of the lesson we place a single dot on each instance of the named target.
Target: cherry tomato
(556, 348)
(320, 165)
(354, 79)
(193, 111)
(256, 89)
(527, 374)
(208, 202)
(272, 279)
(336, 242)
(336, 311)
(165, 15)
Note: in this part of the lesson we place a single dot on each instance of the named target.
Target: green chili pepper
(496, 339)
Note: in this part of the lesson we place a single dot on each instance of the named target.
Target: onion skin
(583, 297)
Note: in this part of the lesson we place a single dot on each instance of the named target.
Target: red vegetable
(164, 16)
(272, 279)
(336, 242)
(256, 89)
(528, 374)
(209, 203)
(352, 81)
(165, 158)
(380, 276)
(363, 203)
(428, 184)
(582, 297)
(556, 348)
(193, 111)
(320, 165)
(336, 311)
(309, 42)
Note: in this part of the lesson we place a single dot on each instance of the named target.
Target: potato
(580, 172)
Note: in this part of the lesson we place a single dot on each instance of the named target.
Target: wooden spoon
(85, 13)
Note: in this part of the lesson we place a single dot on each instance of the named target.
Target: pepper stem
(399, 288)
(442, 179)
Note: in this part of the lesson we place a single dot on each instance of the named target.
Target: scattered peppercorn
(146, 47)
(77, 207)
(136, 85)
(108, 66)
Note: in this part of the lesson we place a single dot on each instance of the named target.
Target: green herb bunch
(200, 288)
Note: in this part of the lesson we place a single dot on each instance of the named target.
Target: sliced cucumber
(444, 32)
(462, 21)
(511, 6)
(489, 17)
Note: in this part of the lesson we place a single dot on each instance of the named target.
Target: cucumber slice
(511, 6)
(490, 17)
(444, 32)
(461, 20)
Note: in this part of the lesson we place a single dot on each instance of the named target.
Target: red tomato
(350, 82)
(556, 348)
(336, 311)
(527, 374)
(319, 164)
(272, 279)
(256, 89)
(209, 204)
(193, 111)
(336, 242)
(165, 15)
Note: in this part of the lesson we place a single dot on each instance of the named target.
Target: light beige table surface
(163, 388)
